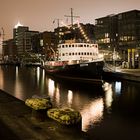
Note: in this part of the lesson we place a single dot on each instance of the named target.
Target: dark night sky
(39, 14)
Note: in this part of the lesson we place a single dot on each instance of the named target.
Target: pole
(129, 58)
(2, 42)
(71, 16)
(133, 58)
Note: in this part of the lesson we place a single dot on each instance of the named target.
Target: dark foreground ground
(19, 122)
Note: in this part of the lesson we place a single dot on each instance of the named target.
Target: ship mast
(3, 34)
(58, 22)
(72, 16)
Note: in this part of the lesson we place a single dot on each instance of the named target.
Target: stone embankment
(122, 74)
(20, 122)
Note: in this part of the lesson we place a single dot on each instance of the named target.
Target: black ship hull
(91, 71)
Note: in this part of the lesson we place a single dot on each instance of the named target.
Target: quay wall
(133, 75)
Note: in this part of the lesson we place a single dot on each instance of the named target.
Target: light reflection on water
(92, 113)
(103, 109)
(93, 104)
(18, 85)
(35, 82)
(108, 95)
(1, 78)
(38, 75)
(70, 97)
(57, 98)
(118, 87)
(51, 88)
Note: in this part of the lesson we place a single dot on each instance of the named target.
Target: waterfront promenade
(122, 74)
(18, 122)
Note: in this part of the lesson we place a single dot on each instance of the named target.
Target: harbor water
(109, 111)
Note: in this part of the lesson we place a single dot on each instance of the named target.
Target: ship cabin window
(79, 53)
(85, 53)
(66, 46)
(90, 53)
(66, 54)
(69, 45)
(76, 53)
(82, 53)
(69, 53)
(62, 46)
(72, 45)
(63, 54)
(95, 46)
(85, 45)
(72, 53)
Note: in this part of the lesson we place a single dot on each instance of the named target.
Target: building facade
(45, 44)
(22, 37)
(10, 51)
(106, 32)
(122, 32)
(129, 33)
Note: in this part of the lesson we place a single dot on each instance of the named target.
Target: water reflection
(57, 95)
(119, 101)
(70, 97)
(17, 69)
(118, 87)
(38, 75)
(108, 95)
(1, 78)
(42, 81)
(92, 113)
(51, 88)
(18, 86)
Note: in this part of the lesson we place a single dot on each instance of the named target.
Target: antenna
(2, 33)
(72, 16)
(58, 22)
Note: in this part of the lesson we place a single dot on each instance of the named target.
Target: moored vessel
(76, 59)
